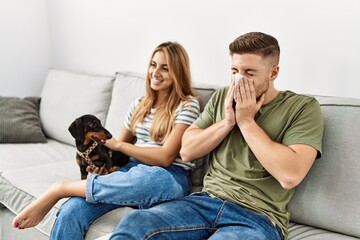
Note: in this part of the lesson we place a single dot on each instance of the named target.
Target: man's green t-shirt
(236, 175)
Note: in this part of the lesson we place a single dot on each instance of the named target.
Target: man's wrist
(246, 124)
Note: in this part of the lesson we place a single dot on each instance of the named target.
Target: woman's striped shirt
(185, 113)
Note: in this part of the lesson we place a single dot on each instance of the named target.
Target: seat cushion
(303, 232)
(22, 186)
(23, 155)
(106, 224)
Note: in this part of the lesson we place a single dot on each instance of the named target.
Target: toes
(25, 224)
(16, 223)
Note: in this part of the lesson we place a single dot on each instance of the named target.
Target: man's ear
(274, 72)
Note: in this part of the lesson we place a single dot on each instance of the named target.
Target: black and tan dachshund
(90, 136)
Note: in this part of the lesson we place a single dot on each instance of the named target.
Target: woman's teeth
(155, 81)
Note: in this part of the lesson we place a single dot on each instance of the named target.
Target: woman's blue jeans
(197, 216)
(135, 185)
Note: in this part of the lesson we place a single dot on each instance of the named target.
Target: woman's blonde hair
(179, 69)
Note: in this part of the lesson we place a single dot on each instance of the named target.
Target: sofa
(37, 150)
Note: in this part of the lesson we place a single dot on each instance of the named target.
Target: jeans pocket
(275, 227)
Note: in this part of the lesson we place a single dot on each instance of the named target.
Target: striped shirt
(185, 113)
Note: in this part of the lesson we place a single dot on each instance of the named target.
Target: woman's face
(160, 79)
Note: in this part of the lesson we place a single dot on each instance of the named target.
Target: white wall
(319, 39)
(24, 46)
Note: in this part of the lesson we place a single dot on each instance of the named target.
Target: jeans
(135, 185)
(197, 216)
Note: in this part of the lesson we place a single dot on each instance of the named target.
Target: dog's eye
(92, 124)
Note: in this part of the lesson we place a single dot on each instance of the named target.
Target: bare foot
(32, 214)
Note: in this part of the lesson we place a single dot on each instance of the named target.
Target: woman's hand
(101, 171)
(112, 144)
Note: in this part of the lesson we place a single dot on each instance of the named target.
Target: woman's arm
(160, 156)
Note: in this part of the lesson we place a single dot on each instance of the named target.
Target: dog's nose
(108, 135)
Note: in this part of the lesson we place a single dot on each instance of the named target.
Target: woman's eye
(165, 69)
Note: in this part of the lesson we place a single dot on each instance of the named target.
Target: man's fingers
(252, 89)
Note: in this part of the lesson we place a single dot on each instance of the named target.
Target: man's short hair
(256, 43)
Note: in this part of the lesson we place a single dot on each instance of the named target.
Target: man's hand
(246, 104)
(229, 106)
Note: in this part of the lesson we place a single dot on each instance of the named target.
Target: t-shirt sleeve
(188, 112)
(130, 112)
(207, 117)
(307, 128)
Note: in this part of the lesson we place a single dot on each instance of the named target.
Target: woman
(155, 173)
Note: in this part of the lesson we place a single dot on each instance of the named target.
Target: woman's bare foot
(32, 214)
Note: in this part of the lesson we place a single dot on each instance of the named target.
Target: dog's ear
(77, 129)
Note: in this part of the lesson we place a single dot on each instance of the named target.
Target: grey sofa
(325, 205)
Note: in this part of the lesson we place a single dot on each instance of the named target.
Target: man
(262, 143)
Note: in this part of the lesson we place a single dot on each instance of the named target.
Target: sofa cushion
(55, 161)
(328, 197)
(8, 232)
(298, 231)
(23, 155)
(127, 87)
(22, 186)
(106, 224)
(66, 96)
(20, 121)
(203, 92)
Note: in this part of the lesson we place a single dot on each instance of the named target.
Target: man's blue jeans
(135, 185)
(197, 216)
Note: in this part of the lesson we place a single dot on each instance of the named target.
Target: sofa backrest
(66, 96)
(329, 196)
(127, 87)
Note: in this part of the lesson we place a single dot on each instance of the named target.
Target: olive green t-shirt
(236, 175)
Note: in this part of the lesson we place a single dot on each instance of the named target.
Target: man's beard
(260, 90)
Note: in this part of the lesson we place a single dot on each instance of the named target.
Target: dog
(90, 136)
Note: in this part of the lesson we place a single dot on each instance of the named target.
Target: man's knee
(135, 225)
(138, 219)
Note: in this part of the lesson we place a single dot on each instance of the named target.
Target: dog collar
(85, 154)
